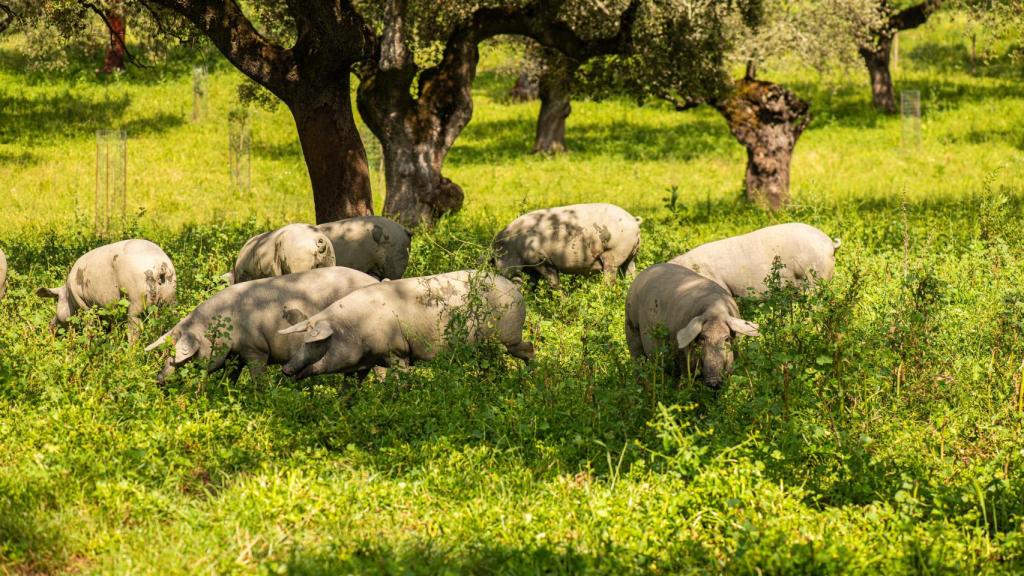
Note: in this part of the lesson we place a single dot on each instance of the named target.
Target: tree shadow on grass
(67, 116)
(503, 140)
(83, 66)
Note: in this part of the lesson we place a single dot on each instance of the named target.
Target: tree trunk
(417, 192)
(416, 133)
(877, 60)
(333, 151)
(114, 59)
(767, 119)
(555, 89)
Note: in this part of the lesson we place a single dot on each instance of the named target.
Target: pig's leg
(136, 307)
(256, 362)
(629, 266)
(235, 369)
(608, 270)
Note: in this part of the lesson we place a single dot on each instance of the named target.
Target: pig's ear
(298, 327)
(688, 334)
(741, 326)
(185, 347)
(49, 292)
(294, 316)
(320, 331)
(158, 342)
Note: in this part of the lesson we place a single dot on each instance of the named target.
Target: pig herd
(331, 299)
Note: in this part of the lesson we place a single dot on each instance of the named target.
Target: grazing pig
(250, 314)
(693, 309)
(289, 249)
(375, 245)
(577, 239)
(139, 269)
(3, 274)
(742, 263)
(404, 321)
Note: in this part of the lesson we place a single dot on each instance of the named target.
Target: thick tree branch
(235, 36)
(394, 54)
(914, 16)
(331, 31)
(539, 22)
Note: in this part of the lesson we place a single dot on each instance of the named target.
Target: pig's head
(187, 346)
(714, 335)
(324, 350)
(303, 249)
(63, 303)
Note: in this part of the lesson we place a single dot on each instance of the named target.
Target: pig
(139, 269)
(741, 264)
(251, 314)
(373, 244)
(577, 239)
(291, 248)
(400, 322)
(3, 274)
(693, 310)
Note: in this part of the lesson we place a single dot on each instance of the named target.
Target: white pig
(373, 244)
(741, 264)
(577, 239)
(405, 321)
(674, 306)
(249, 316)
(3, 274)
(139, 269)
(289, 249)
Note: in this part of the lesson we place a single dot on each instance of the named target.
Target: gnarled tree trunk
(417, 192)
(878, 51)
(877, 59)
(555, 89)
(333, 150)
(416, 133)
(767, 119)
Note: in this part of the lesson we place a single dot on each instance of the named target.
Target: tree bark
(333, 151)
(877, 60)
(416, 134)
(768, 120)
(878, 51)
(114, 59)
(555, 89)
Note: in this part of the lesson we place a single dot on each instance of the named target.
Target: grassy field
(876, 427)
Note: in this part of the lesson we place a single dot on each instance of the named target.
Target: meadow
(875, 427)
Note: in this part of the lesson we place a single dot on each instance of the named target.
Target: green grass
(873, 428)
